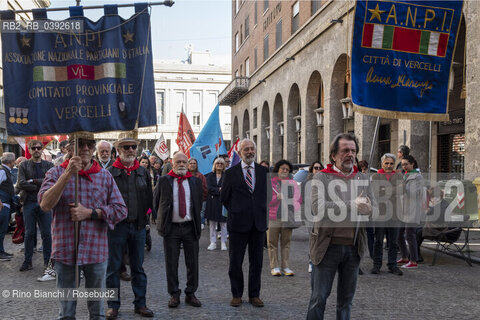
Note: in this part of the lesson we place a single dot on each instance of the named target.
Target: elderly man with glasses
(30, 178)
(100, 207)
(135, 186)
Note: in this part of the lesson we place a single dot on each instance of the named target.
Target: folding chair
(447, 242)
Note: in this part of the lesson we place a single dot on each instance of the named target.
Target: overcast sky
(206, 25)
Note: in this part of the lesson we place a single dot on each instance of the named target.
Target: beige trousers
(273, 235)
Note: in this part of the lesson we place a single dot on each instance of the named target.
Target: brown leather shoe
(192, 300)
(174, 301)
(256, 302)
(111, 313)
(236, 302)
(144, 312)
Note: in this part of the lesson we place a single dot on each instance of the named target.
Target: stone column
(472, 118)
(364, 130)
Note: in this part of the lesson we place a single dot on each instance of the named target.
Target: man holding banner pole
(100, 206)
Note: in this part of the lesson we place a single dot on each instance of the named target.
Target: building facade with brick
(290, 88)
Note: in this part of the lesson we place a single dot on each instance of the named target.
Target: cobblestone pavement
(448, 290)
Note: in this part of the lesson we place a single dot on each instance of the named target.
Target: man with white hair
(244, 195)
(6, 193)
(178, 200)
(104, 154)
(382, 181)
(135, 185)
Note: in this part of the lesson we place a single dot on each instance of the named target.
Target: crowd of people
(121, 195)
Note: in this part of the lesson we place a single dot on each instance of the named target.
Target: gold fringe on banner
(463, 94)
(400, 115)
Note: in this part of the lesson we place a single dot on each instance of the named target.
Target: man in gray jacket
(30, 178)
(341, 195)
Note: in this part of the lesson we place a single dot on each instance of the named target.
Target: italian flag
(381, 36)
(79, 71)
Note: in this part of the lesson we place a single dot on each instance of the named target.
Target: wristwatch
(94, 215)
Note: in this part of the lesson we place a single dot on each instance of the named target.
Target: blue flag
(209, 143)
(401, 57)
(99, 79)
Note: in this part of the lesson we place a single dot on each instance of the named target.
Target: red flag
(234, 148)
(185, 136)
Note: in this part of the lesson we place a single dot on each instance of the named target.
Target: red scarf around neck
(94, 168)
(329, 169)
(180, 178)
(118, 164)
(388, 175)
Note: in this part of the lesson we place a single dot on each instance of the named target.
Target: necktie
(249, 179)
(182, 208)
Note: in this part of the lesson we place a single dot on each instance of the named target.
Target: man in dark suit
(244, 194)
(177, 202)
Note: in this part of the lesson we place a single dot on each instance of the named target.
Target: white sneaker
(276, 272)
(309, 268)
(203, 226)
(49, 274)
(212, 246)
(288, 272)
(46, 277)
(224, 246)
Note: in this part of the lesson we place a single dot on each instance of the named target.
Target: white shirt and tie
(175, 214)
(252, 171)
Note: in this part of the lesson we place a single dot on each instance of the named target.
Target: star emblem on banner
(128, 36)
(25, 41)
(376, 13)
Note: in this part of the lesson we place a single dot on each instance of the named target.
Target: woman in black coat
(214, 210)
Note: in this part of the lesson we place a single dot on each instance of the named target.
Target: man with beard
(244, 195)
(30, 178)
(104, 154)
(178, 201)
(100, 207)
(337, 245)
(135, 186)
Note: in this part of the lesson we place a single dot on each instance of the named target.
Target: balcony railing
(234, 91)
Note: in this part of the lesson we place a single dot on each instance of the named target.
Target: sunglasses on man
(89, 143)
(36, 148)
(131, 146)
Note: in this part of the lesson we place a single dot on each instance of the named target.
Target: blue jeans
(4, 220)
(31, 215)
(127, 234)
(346, 261)
(94, 278)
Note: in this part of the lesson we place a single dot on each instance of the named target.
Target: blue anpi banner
(401, 57)
(99, 79)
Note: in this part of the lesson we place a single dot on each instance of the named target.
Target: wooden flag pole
(76, 223)
(370, 159)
